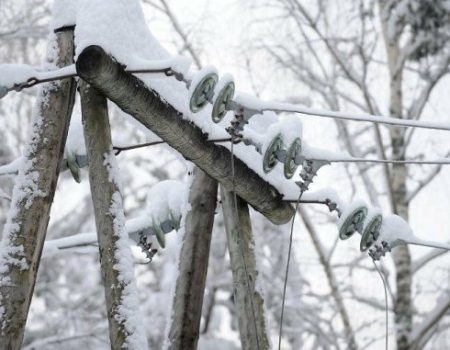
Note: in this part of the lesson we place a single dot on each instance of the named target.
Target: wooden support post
(34, 189)
(115, 254)
(193, 265)
(252, 324)
(144, 104)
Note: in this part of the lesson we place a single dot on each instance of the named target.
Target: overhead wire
(286, 274)
(386, 305)
(272, 106)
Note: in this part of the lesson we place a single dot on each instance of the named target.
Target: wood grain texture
(252, 323)
(33, 195)
(193, 265)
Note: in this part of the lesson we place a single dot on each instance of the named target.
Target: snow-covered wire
(163, 67)
(386, 304)
(443, 161)
(408, 122)
(119, 149)
(70, 72)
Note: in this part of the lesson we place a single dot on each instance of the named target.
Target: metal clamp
(379, 250)
(146, 246)
(309, 171)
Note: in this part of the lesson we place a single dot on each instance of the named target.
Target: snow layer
(315, 153)
(290, 128)
(64, 12)
(127, 34)
(165, 199)
(75, 138)
(396, 231)
(127, 313)
(119, 28)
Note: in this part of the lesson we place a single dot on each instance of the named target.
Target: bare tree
(328, 62)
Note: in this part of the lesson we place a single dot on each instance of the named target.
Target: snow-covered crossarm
(132, 96)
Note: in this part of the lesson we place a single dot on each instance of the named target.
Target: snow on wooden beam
(125, 329)
(96, 67)
(193, 265)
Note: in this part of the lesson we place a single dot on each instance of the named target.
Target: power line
(443, 161)
(386, 305)
(261, 106)
(378, 119)
(291, 234)
(119, 149)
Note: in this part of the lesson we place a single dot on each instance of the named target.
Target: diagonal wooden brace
(96, 67)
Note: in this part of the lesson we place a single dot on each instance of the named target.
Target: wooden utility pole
(144, 104)
(248, 300)
(115, 254)
(193, 264)
(34, 189)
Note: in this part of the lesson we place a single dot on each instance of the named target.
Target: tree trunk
(193, 265)
(401, 255)
(144, 104)
(249, 304)
(115, 255)
(34, 189)
(332, 281)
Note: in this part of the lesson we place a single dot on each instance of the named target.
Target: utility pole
(34, 189)
(247, 298)
(116, 260)
(193, 264)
